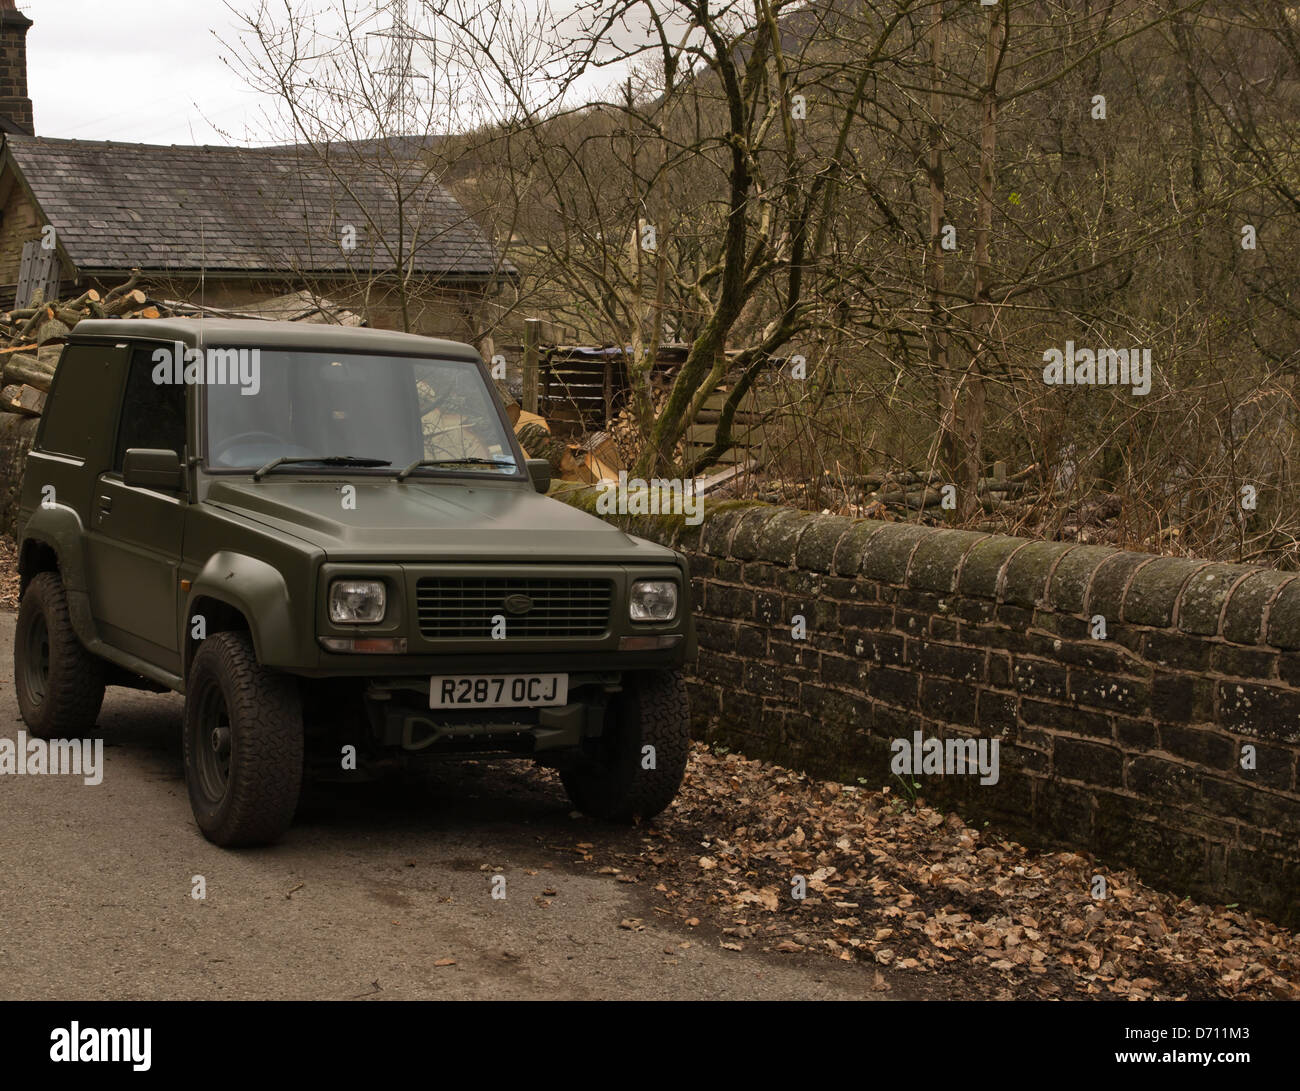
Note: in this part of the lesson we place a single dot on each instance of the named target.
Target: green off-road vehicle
(330, 541)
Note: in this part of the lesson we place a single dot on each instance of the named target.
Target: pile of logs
(907, 490)
(624, 432)
(32, 338)
(895, 494)
(591, 459)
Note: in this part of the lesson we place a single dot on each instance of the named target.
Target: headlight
(653, 600)
(357, 602)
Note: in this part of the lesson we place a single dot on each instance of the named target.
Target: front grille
(463, 606)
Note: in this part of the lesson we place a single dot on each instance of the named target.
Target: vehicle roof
(201, 332)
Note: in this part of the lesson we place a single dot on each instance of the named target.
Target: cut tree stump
(54, 329)
(127, 301)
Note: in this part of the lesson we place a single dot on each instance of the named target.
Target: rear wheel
(243, 744)
(60, 685)
(634, 769)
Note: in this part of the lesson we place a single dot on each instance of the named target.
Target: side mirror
(152, 469)
(539, 470)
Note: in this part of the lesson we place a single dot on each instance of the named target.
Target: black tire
(60, 684)
(607, 779)
(243, 744)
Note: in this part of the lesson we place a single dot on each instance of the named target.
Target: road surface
(372, 888)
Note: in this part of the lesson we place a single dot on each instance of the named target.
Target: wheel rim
(36, 658)
(211, 744)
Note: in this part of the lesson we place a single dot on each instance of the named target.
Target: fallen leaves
(920, 892)
(767, 898)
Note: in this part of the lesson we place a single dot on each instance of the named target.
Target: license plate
(499, 691)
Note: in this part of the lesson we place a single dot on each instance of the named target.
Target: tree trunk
(972, 422)
(937, 334)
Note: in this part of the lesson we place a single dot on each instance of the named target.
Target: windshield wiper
(404, 474)
(328, 460)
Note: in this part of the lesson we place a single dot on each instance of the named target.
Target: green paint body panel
(140, 564)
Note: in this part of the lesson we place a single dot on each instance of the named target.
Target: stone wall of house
(19, 224)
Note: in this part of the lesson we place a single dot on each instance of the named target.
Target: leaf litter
(900, 885)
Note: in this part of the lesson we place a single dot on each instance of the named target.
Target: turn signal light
(367, 644)
(648, 643)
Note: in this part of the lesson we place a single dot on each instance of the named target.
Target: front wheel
(635, 768)
(243, 744)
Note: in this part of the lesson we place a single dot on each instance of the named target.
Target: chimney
(15, 106)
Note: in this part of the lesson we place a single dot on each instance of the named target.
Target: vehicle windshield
(383, 412)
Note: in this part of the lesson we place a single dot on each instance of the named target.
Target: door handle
(105, 504)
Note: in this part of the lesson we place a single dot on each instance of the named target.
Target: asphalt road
(371, 889)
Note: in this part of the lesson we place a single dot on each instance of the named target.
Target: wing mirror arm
(539, 471)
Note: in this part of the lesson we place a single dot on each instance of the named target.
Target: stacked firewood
(624, 432)
(32, 339)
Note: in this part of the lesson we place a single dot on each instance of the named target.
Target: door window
(153, 413)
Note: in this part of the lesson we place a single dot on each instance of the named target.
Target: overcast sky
(148, 71)
(135, 70)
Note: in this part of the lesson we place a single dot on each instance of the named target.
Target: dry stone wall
(1147, 709)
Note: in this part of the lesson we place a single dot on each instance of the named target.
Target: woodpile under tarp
(584, 393)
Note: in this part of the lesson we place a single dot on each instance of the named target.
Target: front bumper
(400, 716)
(554, 729)
(426, 666)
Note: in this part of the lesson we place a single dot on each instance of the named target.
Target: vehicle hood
(422, 520)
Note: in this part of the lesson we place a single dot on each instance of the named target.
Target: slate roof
(242, 210)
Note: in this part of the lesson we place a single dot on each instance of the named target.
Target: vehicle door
(135, 533)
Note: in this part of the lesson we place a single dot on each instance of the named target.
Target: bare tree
(362, 97)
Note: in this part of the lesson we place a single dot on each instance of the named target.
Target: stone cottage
(231, 226)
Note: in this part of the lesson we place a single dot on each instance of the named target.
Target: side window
(153, 414)
(85, 392)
